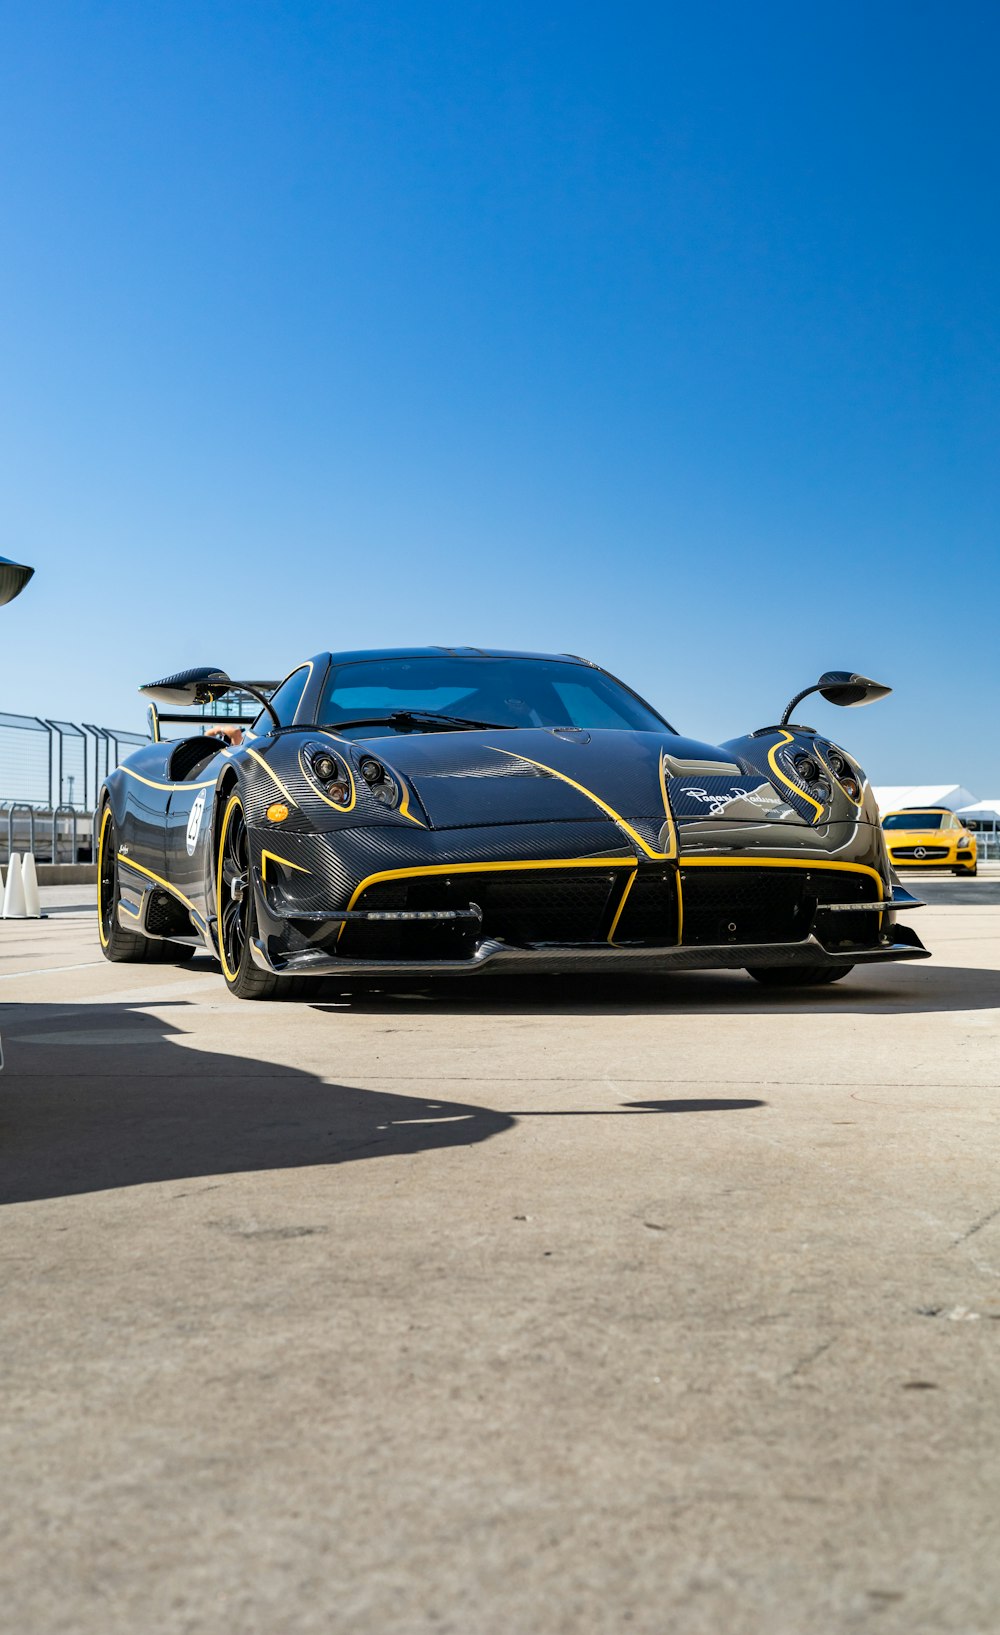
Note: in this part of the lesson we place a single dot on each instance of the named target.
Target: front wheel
(237, 914)
(967, 874)
(797, 976)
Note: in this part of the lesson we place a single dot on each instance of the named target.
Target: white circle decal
(194, 823)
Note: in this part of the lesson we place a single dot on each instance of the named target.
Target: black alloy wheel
(237, 917)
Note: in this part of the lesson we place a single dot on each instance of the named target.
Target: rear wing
(197, 723)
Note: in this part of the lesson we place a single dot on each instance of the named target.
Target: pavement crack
(808, 1360)
(978, 1226)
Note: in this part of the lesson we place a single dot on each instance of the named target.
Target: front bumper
(562, 897)
(592, 958)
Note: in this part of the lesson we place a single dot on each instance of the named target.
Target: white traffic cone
(13, 897)
(29, 881)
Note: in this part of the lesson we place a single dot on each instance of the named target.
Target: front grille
(518, 907)
(650, 911)
(736, 905)
(926, 853)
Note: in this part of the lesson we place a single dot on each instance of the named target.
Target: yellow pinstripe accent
(207, 783)
(630, 882)
(784, 863)
(486, 868)
(787, 738)
(616, 817)
(284, 861)
(140, 868)
(272, 775)
(404, 806)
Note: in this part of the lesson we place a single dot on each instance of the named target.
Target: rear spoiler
(205, 685)
(157, 718)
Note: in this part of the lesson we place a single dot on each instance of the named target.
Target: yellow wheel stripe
(105, 820)
(234, 801)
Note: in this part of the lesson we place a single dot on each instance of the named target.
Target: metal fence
(50, 772)
(46, 764)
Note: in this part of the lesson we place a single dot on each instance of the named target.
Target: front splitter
(501, 959)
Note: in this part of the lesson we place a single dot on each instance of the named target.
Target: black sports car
(449, 810)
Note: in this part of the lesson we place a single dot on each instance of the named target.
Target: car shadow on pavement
(97, 1097)
(910, 988)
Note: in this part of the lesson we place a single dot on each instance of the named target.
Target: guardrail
(64, 835)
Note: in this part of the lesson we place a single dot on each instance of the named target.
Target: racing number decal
(194, 823)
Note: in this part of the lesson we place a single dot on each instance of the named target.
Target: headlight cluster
(844, 773)
(816, 770)
(382, 786)
(330, 774)
(808, 770)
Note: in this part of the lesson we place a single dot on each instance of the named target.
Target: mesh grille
(650, 912)
(165, 914)
(529, 906)
(764, 905)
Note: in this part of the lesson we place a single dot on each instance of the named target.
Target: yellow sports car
(929, 837)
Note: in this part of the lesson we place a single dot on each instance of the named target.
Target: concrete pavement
(496, 1308)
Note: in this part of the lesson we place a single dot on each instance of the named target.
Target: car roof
(364, 654)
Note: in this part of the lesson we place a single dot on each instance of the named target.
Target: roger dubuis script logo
(718, 801)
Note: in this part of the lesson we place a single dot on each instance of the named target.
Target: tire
(798, 976)
(118, 945)
(967, 874)
(237, 916)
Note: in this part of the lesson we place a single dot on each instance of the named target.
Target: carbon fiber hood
(538, 775)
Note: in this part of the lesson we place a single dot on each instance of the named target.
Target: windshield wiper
(413, 720)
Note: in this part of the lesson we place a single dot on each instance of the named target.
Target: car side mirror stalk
(204, 685)
(840, 687)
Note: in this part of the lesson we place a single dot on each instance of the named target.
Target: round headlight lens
(325, 767)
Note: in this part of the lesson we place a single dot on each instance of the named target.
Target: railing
(62, 836)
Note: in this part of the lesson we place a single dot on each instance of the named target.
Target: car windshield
(913, 820)
(374, 697)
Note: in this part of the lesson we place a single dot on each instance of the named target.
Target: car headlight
(382, 785)
(845, 774)
(329, 775)
(809, 771)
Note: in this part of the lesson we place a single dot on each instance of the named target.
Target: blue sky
(666, 334)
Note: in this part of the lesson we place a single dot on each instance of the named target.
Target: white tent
(895, 797)
(986, 813)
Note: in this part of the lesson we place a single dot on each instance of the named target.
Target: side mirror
(840, 687)
(13, 578)
(202, 686)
